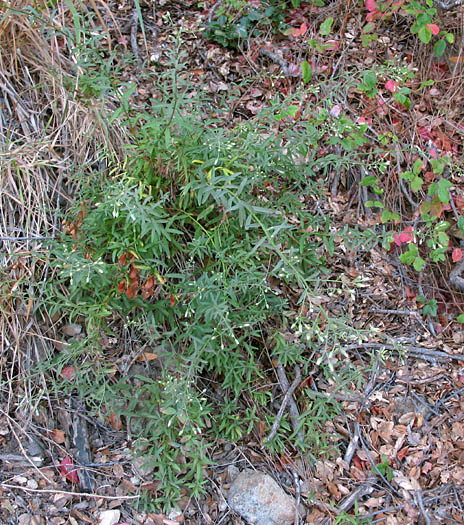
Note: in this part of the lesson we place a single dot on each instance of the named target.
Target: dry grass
(46, 134)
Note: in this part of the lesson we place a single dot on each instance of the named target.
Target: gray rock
(258, 499)
(232, 472)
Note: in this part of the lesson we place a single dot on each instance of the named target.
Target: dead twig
(363, 490)
(27, 238)
(133, 36)
(413, 351)
(66, 493)
(420, 503)
(83, 454)
(351, 449)
(277, 59)
(296, 480)
(11, 424)
(294, 416)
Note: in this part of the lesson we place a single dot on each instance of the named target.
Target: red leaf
(403, 237)
(456, 255)
(434, 28)
(358, 463)
(122, 286)
(150, 283)
(406, 235)
(122, 259)
(402, 453)
(131, 291)
(68, 372)
(371, 5)
(391, 85)
(68, 471)
(172, 300)
(134, 273)
(300, 31)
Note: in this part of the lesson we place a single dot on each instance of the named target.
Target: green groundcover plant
(187, 245)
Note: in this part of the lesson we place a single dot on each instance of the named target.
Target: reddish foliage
(68, 372)
(68, 470)
(456, 255)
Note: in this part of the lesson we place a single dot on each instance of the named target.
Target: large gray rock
(258, 499)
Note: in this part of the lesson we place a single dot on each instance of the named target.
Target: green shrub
(185, 243)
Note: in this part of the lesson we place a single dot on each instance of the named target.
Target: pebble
(260, 500)
(109, 517)
(32, 484)
(71, 329)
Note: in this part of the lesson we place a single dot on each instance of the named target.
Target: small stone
(32, 484)
(109, 517)
(175, 514)
(258, 499)
(134, 480)
(71, 329)
(232, 472)
(21, 480)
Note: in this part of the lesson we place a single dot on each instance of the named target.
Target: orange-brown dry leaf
(131, 291)
(147, 356)
(333, 489)
(58, 436)
(115, 422)
(150, 283)
(134, 273)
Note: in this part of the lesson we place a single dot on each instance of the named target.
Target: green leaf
(374, 204)
(369, 180)
(460, 318)
(409, 256)
(306, 71)
(402, 99)
(370, 79)
(438, 254)
(443, 239)
(443, 187)
(442, 226)
(329, 245)
(424, 34)
(461, 223)
(386, 216)
(418, 264)
(407, 175)
(416, 183)
(425, 208)
(326, 26)
(430, 308)
(417, 167)
(369, 27)
(438, 166)
(439, 47)
(425, 83)
(449, 38)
